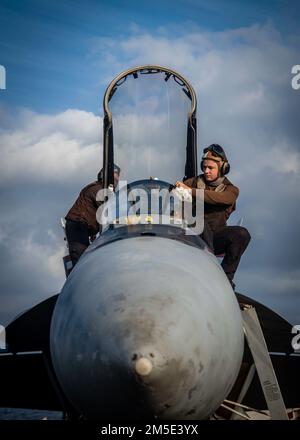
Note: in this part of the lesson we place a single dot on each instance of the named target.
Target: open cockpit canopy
(149, 126)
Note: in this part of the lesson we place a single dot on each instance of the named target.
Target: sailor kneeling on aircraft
(219, 202)
(81, 221)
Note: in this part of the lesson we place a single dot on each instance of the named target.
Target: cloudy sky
(60, 56)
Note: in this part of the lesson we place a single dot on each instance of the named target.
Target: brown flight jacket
(219, 202)
(85, 207)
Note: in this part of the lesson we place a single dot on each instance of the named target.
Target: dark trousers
(78, 239)
(231, 241)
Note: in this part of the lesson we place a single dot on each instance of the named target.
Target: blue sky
(60, 56)
(47, 47)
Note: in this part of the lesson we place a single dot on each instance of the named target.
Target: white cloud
(284, 159)
(46, 258)
(45, 148)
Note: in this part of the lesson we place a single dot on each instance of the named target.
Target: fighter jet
(146, 325)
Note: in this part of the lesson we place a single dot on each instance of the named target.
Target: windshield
(144, 201)
(150, 119)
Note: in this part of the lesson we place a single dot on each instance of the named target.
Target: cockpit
(150, 133)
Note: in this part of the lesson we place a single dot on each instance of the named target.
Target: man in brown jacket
(81, 222)
(219, 202)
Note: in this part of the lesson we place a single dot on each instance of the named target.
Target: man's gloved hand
(179, 184)
(183, 191)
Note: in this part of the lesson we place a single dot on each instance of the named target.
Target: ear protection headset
(117, 169)
(216, 153)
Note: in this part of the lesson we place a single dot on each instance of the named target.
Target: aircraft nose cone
(147, 326)
(143, 366)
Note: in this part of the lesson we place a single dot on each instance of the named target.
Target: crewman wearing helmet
(220, 197)
(81, 222)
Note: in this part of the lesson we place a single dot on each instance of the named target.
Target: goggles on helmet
(217, 150)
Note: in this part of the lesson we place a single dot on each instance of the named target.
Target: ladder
(263, 365)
